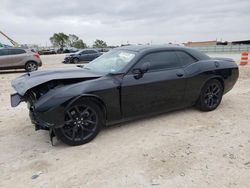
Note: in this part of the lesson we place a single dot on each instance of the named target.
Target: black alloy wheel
(211, 95)
(82, 123)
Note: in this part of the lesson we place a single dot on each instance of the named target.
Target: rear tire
(83, 121)
(31, 66)
(211, 95)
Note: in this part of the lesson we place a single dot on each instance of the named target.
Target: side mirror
(81, 66)
(139, 72)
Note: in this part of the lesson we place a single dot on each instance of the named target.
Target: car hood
(27, 81)
(70, 55)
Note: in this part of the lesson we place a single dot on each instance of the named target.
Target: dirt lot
(186, 148)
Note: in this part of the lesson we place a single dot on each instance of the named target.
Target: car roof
(139, 48)
(153, 48)
(89, 49)
(12, 48)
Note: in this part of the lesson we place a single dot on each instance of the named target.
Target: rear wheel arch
(220, 79)
(30, 61)
(214, 94)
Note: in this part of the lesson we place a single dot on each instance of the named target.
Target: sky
(128, 21)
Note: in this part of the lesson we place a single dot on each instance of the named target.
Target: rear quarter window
(91, 51)
(185, 58)
(197, 54)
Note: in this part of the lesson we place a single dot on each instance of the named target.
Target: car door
(17, 57)
(92, 54)
(193, 68)
(4, 62)
(83, 56)
(161, 88)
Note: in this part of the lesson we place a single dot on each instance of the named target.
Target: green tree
(79, 44)
(76, 42)
(59, 40)
(100, 44)
(72, 40)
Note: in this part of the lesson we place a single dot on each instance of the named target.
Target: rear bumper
(39, 63)
(231, 80)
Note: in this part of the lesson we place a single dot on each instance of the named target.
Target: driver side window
(85, 52)
(160, 60)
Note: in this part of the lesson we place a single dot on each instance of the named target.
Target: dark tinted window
(197, 54)
(16, 51)
(4, 52)
(82, 52)
(185, 58)
(161, 60)
(90, 52)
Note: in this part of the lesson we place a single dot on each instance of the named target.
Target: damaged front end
(15, 99)
(47, 98)
(43, 115)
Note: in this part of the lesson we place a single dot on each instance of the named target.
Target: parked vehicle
(123, 84)
(47, 51)
(85, 55)
(67, 50)
(18, 58)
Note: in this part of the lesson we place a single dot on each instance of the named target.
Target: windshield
(111, 62)
(80, 51)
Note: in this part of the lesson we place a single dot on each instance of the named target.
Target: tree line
(62, 40)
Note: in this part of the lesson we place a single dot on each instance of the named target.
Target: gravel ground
(185, 148)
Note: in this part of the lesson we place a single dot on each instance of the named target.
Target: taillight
(37, 55)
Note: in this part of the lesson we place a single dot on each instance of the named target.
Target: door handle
(179, 74)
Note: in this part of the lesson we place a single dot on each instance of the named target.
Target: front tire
(75, 60)
(211, 95)
(83, 121)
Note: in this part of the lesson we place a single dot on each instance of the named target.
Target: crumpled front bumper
(68, 60)
(15, 99)
(52, 118)
(38, 123)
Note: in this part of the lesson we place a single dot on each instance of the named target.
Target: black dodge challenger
(123, 84)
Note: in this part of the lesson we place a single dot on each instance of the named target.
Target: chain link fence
(226, 48)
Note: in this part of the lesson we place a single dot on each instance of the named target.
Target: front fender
(54, 117)
(50, 108)
(59, 95)
(105, 91)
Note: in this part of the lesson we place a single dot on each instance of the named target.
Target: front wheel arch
(75, 58)
(93, 98)
(83, 121)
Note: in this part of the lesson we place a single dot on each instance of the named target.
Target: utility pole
(15, 44)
